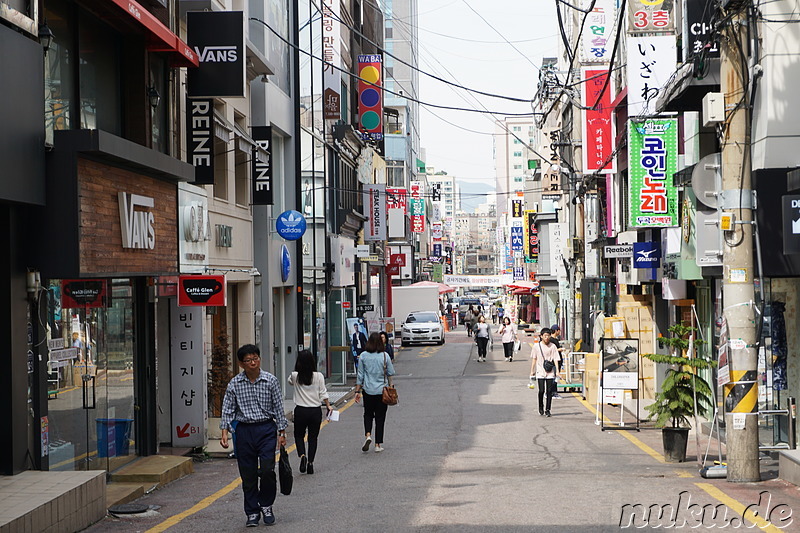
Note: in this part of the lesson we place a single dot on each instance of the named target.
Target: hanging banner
(652, 160)
(437, 231)
(218, 39)
(187, 376)
(375, 203)
(76, 293)
(370, 97)
(516, 208)
(651, 63)
(202, 290)
(651, 16)
(517, 239)
(551, 171)
(598, 125)
(531, 234)
(597, 37)
(262, 169)
(417, 206)
(200, 139)
(396, 206)
(332, 56)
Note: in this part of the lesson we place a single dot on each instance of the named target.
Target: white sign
(63, 355)
(620, 380)
(737, 344)
(477, 281)
(618, 251)
(55, 344)
(558, 240)
(194, 229)
(614, 396)
(362, 250)
(375, 204)
(651, 62)
(598, 31)
(188, 376)
(739, 420)
(136, 221)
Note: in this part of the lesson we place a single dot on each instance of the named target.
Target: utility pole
(738, 295)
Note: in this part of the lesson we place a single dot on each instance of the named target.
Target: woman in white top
(508, 336)
(545, 368)
(483, 333)
(309, 393)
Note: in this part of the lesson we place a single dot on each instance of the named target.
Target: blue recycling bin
(113, 436)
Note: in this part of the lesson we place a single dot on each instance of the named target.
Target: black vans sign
(217, 37)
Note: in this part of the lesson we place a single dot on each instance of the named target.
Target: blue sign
(646, 254)
(519, 273)
(291, 225)
(517, 239)
(437, 250)
(286, 263)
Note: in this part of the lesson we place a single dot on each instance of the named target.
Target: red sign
(77, 293)
(345, 305)
(201, 291)
(597, 126)
(393, 270)
(398, 259)
(397, 199)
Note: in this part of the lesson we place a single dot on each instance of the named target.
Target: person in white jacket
(508, 336)
(309, 393)
(545, 368)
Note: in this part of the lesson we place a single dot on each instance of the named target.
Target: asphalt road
(466, 450)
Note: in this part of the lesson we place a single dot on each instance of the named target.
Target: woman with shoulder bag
(375, 370)
(545, 368)
(482, 335)
(309, 393)
(508, 336)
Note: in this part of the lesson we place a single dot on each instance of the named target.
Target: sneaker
(541, 413)
(367, 442)
(556, 395)
(303, 462)
(378, 448)
(507, 359)
(310, 469)
(547, 414)
(252, 520)
(269, 516)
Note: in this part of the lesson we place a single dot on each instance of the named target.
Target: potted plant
(681, 391)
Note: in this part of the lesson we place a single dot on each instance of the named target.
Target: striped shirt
(250, 403)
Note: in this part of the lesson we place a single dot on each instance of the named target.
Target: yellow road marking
(209, 500)
(682, 473)
(740, 508)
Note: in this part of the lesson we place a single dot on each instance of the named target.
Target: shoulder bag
(389, 392)
(547, 364)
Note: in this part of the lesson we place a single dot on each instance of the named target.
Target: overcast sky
(493, 66)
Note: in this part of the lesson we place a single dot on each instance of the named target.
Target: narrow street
(465, 451)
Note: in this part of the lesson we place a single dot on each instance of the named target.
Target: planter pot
(675, 441)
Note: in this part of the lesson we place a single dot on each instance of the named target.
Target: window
(516, 128)
(99, 76)
(517, 154)
(517, 141)
(517, 167)
(518, 179)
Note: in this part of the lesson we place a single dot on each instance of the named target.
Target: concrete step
(789, 466)
(155, 469)
(119, 493)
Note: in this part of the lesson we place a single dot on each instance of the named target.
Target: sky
(447, 29)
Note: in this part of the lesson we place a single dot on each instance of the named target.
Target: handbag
(547, 364)
(285, 472)
(389, 395)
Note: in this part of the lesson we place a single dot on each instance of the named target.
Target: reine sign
(200, 123)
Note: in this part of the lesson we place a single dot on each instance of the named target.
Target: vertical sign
(262, 169)
(651, 16)
(188, 371)
(200, 139)
(652, 160)
(375, 200)
(598, 31)
(531, 237)
(597, 124)
(516, 208)
(558, 239)
(551, 174)
(417, 204)
(436, 192)
(396, 205)
(218, 39)
(651, 63)
(370, 96)
(699, 15)
(331, 54)
(519, 273)
(437, 249)
(517, 239)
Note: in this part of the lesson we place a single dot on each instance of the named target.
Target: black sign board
(262, 170)
(365, 308)
(218, 39)
(200, 139)
(791, 224)
(436, 192)
(516, 208)
(699, 33)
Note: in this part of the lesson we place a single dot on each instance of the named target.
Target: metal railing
(791, 429)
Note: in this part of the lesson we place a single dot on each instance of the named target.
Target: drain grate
(128, 508)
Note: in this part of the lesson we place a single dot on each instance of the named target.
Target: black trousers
(255, 454)
(547, 386)
(508, 349)
(482, 343)
(374, 409)
(307, 419)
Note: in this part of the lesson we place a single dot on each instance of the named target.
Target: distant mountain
(474, 193)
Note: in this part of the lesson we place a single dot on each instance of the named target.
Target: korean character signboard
(417, 206)
(517, 239)
(531, 237)
(331, 44)
(652, 160)
(651, 16)
(651, 63)
(699, 22)
(596, 39)
(188, 376)
(370, 96)
(597, 123)
(396, 205)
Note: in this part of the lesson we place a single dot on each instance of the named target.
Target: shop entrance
(91, 392)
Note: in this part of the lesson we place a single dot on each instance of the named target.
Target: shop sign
(362, 250)
(393, 270)
(397, 259)
(437, 231)
(375, 202)
(346, 305)
(597, 31)
(218, 39)
(651, 16)
(331, 54)
(652, 160)
(699, 19)
(651, 63)
(286, 263)
(202, 291)
(791, 224)
(618, 251)
(516, 208)
(365, 308)
(76, 293)
(137, 225)
(396, 205)
(187, 376)
(437, 249)
(646, 254)
(599, 144)
(531, 234)
(291, 225)
(200, 139)
(519, 273)
(517, 239)
(194, 229)
(370, 96)
(262, 168)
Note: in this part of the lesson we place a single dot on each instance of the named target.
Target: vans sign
(218, 39)
(137, 221)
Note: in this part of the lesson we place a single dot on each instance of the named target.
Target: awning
(159, 37)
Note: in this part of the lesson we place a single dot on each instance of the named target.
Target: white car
(422, 326)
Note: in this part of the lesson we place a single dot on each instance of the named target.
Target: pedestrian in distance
(469, 319)
(374, 372)
(544, 368)
(387, 345)
(309, 393)
(483, 334)
(508, 336)
(555, 338)
(494, 314)
(254, 400)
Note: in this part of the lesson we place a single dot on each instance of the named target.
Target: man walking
(555, 338)
(544, 367)
(254, 400)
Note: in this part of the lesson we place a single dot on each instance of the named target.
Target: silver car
(422, 326)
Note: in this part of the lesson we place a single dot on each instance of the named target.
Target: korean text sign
(652, 160)
(651, 63)
(597, 123)
(598, 30)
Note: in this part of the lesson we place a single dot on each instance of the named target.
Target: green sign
(652, 160)
(417, 206)
(438, 272)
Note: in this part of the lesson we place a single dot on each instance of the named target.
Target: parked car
(422, 326)
(464, 304)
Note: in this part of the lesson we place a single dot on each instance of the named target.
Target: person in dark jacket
(388, 346)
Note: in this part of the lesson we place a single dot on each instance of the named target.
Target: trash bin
(113, 436)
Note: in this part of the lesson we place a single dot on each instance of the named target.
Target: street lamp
(45, 36)
(154, 96)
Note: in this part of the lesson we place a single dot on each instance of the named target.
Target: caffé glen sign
(137, 221)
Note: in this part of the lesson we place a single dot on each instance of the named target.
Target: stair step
(119, 493)
(154, 469)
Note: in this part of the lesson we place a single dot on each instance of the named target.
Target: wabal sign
(652, 160)
(375, 202)
(331, 54)
(597, 123)
(218, 39)
(597, 32)
(200, 139)
(370, 97)
(651, 15)
(262, 170)
(651, 63)
(699, 15)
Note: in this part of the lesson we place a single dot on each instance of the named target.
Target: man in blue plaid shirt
(254, 400)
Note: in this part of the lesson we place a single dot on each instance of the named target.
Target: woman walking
(309, 393)
(387, 345)
(545, 368)
(375, 370)
(469, 319)
(483, 333)
(508, 336)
